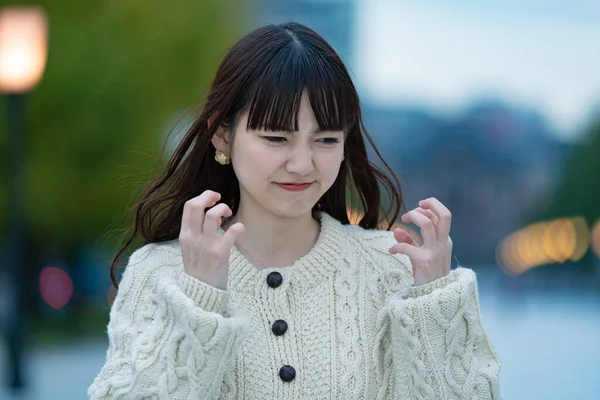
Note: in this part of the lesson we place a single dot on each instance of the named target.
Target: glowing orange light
(23, 47)
(544, 242)
(596, 238)
(512, 261)
(522, 248)
(582, 239)
(566, 239)
(540, 255)
(560, 240)
(56, 287)
(354, 216)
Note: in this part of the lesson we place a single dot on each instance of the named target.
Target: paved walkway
(60, 373)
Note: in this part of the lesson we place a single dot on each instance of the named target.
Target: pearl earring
(222, 157)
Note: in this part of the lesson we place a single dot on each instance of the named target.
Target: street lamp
(23, 52)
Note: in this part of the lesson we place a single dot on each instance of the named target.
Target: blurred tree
(117, 74)
(579, 192)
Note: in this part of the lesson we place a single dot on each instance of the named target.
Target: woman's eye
(274, 139)
(329, 140)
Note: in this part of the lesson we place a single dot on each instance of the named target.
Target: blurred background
(494, 108)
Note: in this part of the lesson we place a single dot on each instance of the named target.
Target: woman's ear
(220, 139)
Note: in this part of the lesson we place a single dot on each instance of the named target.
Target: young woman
(252, 283)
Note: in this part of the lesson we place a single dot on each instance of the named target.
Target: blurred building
(494, 166)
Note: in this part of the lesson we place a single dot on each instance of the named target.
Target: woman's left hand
(432, 259)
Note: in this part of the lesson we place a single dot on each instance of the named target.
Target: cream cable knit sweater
(356, 328)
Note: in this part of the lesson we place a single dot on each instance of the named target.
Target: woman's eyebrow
(316, 131)
(319, 130)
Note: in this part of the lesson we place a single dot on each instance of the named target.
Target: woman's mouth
(295, 187)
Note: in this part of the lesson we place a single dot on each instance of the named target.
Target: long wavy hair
(265, 74)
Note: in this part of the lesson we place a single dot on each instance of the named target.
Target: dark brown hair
(265, 74)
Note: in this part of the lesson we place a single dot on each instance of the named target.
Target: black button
(274, 279)
(279, 327)
(287, 373)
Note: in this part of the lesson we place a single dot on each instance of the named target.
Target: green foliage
(118, 72)
(579, 193)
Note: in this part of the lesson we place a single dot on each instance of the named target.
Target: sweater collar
(316, 266)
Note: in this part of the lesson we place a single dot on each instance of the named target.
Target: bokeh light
(596, 238)
(559, 240)
(541, 243)
(23, 47)
(354, 216)
(582, 233)
(56, 287)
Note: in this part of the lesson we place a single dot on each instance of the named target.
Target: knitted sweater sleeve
(170, 335)
(438, 347)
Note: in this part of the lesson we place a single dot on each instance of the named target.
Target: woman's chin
(294, 212)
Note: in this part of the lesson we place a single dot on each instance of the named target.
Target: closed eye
(329, 140)
(274, 139)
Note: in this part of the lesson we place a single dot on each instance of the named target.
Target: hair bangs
(275, 98)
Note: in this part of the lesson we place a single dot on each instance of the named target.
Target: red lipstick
(294, 187)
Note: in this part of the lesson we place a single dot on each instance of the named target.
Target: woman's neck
(271, 241)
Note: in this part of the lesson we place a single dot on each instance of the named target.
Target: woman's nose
(300, 162)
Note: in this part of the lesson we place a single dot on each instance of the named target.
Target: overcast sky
(440, 54)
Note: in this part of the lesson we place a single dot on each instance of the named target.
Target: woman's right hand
(205, 256)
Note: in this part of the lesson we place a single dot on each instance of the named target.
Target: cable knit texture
(357, 328)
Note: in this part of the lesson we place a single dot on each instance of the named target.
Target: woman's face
(283, 173)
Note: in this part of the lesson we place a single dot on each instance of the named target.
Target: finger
(427, 229)
(404, 248)
(444, 215)
(402, 236)
(429, 214)
(193, 210)
(212, 219)
(232, 234)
